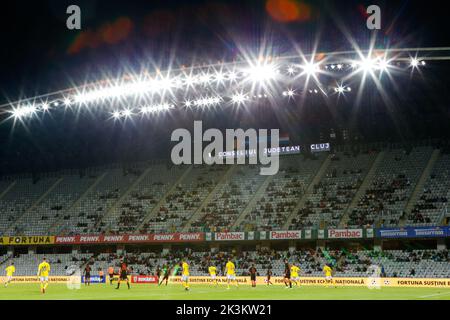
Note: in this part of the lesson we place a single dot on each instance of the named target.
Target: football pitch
(206, 292)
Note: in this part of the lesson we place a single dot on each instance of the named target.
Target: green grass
(205, 292)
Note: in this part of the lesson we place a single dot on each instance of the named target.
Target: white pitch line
(434, 295)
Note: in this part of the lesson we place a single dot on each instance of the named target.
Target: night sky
(39, 55)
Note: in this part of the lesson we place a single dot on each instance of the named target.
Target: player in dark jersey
(166, 274)
(269, 275)
(287, 274)
(87, 275)
(158, 273)
(252, 271)
(123, 274)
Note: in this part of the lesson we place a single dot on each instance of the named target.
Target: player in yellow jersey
(231, 273)
(185, 275)
(43, 271)
(9, 273)
(213, 274)
(295, 278)
(328, 273)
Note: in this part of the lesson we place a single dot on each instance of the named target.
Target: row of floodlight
(237, 98)
(259, 72)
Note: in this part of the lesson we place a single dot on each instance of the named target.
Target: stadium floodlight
(291, 70)
(422, 62)
(116, 114)
(367, 65)
(135, 88)
(261, 72)
(383, 65)
(414, 62)
(67, 102)
(45, 106)
(157, 108)
(205, 78)
(127, 113)
(202, 102)
(288, 93)
(160, 85)
(339, 89)
(144, 110)
(18, 113)
(31, 109)
(190, 80)
(177, 82)
(109, 92)
(342, 89)
(198, 102)
(310, 69)
(339, 66)
(232, 76)
(238, 98)
(219, 77)
(80, 98)
(23, 111)
(56, 103)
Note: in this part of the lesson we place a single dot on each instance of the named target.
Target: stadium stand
(19, 199)
(396, 263)
(154, 198)
(385, 201)
(232, 197)
(283, 193)
(141, 199)
(333, 194)
(36, 222)
(86, 215)
(181, 204)
(432, 203)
